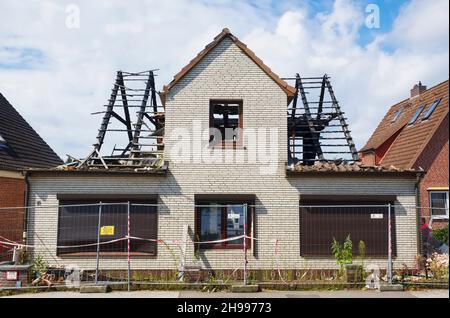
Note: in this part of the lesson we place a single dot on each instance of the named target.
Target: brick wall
(22, 276)
(225, 73)
(12, 193)
(434, 160)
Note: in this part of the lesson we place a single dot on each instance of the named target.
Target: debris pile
(342, 166)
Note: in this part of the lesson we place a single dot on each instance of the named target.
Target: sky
(58, 59)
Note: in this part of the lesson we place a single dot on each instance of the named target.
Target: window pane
(416, 115)
(78, 225)
(396, 116)
(439, 203)
(431, 109)
(235, 222)
(210, 221)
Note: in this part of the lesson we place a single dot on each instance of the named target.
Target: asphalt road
(440, 293)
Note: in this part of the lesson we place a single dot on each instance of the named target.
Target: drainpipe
(418, 212)
(25, 217)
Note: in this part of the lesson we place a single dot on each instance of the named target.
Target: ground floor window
(82, 223)
(439, 204)
(220, 220)
(321, 222)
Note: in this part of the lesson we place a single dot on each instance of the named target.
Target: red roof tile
(289, 90)
(412, 139)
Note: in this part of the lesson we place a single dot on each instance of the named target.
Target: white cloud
(80, 64)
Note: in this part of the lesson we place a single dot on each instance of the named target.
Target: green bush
(343, 253)
(441, 234)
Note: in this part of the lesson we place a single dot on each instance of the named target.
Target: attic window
(3, 143)
(226, 118)
(416, 115)
(431, 109)
(397, 115)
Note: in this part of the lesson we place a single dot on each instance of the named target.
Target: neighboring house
(20, 148)
(250, 96)
(414, 134)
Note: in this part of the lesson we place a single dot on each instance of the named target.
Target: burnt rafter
(311, 122)
(143, 130)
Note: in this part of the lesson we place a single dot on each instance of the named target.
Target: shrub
(39, 265)
(437, 264)
(441, 234)
(342, 252)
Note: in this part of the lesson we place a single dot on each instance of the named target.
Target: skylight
(431, 109)
(2, 142)
(416, 115)
(397, 115)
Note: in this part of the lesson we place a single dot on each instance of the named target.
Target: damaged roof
(289, 90)
(357, 167)
(20, 145)
(410, 140)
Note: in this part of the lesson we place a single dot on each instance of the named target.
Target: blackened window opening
(226, 117)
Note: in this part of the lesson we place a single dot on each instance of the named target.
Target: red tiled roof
(289, 90)
(412, 139)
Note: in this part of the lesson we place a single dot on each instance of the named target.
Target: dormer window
(226, 122)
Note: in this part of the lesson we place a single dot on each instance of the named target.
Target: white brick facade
(225, 73)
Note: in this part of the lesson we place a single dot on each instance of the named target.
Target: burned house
(179, 172)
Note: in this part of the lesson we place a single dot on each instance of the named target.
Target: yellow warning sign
(107, 230)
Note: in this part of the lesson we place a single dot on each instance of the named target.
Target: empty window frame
(226, 118)
(431, 109)
(397, 115)
(439, 204)
(416, 115)
(221, 220)
(79, 227)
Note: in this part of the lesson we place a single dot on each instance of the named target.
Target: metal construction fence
(138, 242)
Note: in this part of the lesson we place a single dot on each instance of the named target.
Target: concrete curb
(95, 289)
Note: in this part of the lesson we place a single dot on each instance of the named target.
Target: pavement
(432, 293)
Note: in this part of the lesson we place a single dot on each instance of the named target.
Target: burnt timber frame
(311, 124)
(125, 97)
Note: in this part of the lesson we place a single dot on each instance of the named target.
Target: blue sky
(30, 58)
(389, 10)
(57, 75)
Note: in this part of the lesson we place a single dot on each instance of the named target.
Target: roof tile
(25, 148)
(412, 139)
(289, 90)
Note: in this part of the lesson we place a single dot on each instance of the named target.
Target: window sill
(102, 254)
(435, 217)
